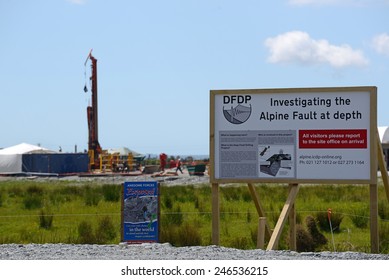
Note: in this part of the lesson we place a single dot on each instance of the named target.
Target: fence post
(261, 233)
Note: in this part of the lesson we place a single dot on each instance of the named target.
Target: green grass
(90, 213)
(68, 204)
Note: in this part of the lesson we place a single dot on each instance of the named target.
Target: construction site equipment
(94, 148)
(162, 160)
(114, 162)
(196, 169)
(106, 161)
(130, 162)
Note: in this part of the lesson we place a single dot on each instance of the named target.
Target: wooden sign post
(294, 136)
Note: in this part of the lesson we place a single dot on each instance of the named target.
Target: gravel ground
(163, 252)
(168, 180)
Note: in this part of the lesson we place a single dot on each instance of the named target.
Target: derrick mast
(94, 148)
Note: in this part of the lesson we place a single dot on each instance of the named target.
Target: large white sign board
(294, 135)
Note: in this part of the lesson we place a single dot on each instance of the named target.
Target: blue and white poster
(140, 212)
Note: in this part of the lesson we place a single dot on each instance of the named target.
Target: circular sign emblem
(238, 114)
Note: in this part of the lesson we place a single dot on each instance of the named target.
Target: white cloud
(299, 47)
(381, 43)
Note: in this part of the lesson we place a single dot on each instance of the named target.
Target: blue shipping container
(55, 163)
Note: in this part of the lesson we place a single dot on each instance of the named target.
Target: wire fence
(184, 213)
(237, 229)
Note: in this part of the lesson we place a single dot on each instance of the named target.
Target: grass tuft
(45, 219)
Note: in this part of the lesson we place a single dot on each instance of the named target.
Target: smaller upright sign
(140, 212)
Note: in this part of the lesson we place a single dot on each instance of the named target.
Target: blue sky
(158, 60)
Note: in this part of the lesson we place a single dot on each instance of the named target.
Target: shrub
(33, 198)
(33, 201)
(241, 243)
(35, 190)
(184, 235)
(112, 193)
(358, 218)
(324, 224)
(196, 203)
(72, 191)
(168, 202)
(105, 231)
(248, 216)
(304, 241)
(188, 235)
(45, 220)
(85, 233)
(167, 234)
(309, 239)
(92, 197)
(317, 237)
(254, 234)
(383, 211)
(246, 196)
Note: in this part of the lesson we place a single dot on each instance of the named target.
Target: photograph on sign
(302, 134)
(140, 212)
(277, 154)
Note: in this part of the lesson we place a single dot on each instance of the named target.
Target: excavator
(94, 148)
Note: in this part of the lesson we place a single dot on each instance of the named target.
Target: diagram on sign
(237, 115)
(276, 161)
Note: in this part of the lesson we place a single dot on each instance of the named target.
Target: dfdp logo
(236, 108)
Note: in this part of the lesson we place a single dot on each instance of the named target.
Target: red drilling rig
(94, 148)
